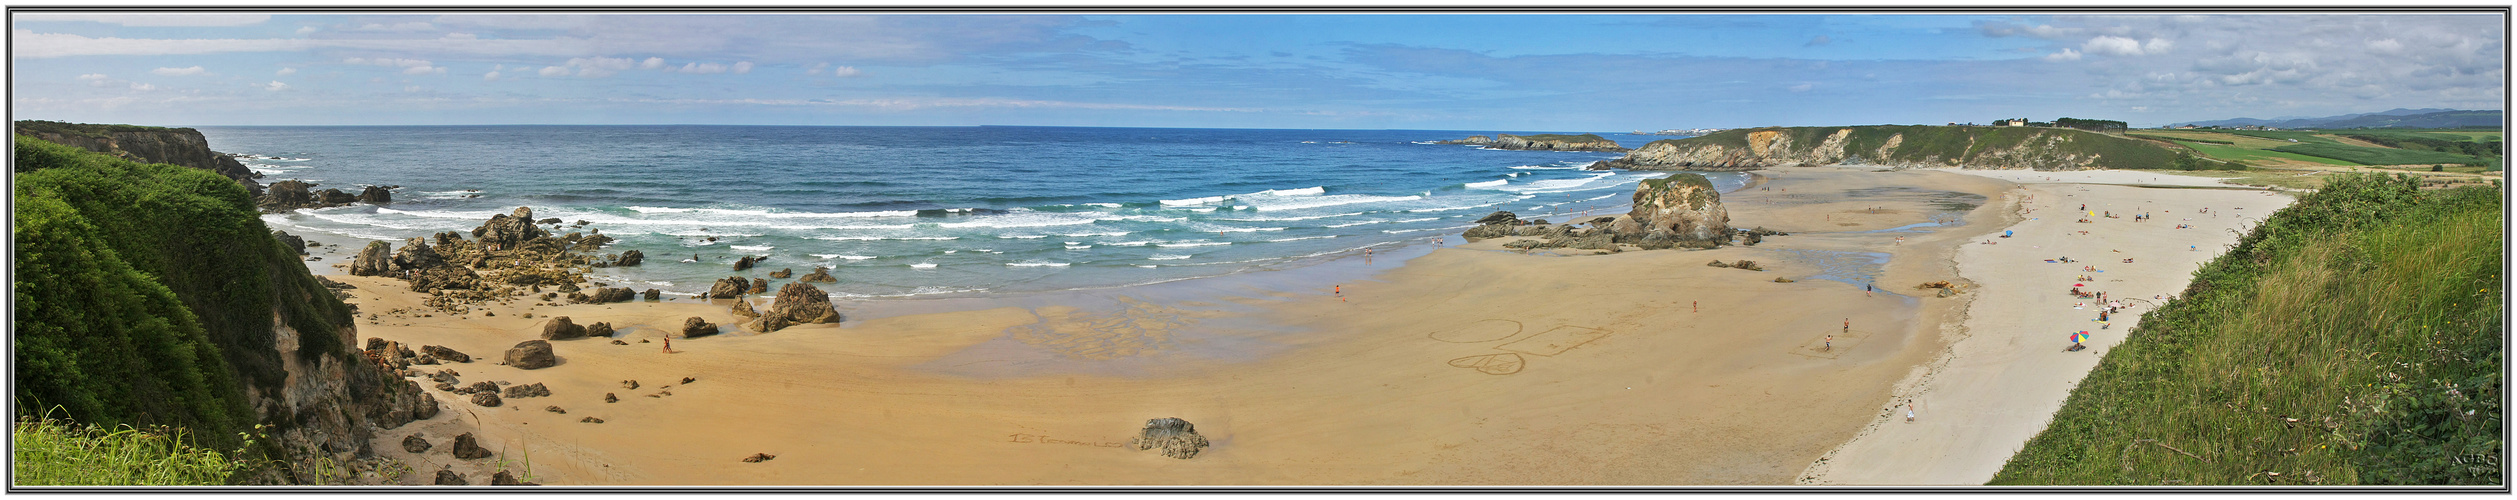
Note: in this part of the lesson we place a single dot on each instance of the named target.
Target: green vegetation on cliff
(57, 453)
(82, 129)
(1965, 145)
(1566, 138)
(151, 295)
(2352, 338)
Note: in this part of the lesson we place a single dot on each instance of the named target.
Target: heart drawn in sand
(1491, 364)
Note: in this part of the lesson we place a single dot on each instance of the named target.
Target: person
(668, 345)
(1830, 342)
(1866, 290)
(1848, 325)
(1909, 412)
(1696, 306)
(1340, 290)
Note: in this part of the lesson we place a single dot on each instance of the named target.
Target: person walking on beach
(1865, 293)
(1848, 325)
(1909, 412)
(1339, 290)
(1830, 345)
(668, 345)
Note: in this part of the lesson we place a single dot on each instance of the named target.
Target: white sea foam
(1104, 205)
(1248, 229)
(1303, 238)
(1414, 220)
(1309, 191)
(1110, 233)
(1128, 243)
(1147, 266)
(1405, 231)
(1209, 200)
(1487, 184)
(1537, 167)
(922, 265)
(1195, 243)
(1167, 257)
(1023, 220)
(824, 256)
(752, 248)
(1079, 247)
(875, 238)
(1034, 263)
(1022, 236)
(1326, 201)
(1352, 224)
(1291, 218)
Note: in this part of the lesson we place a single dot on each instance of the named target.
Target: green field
(2375, 156)
(1966, 144)
(2353, 338)
(2251, 156)
(2396, 147)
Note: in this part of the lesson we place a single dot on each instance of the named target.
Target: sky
(1432, 70)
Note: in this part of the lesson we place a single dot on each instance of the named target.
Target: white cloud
(302, 30)
(597, 67)
(652, 63)
(2112, 45)
(153, 20)
(275, 86)
(195, 70)
(1820, 40)
(816, 69)
(92, 76)
(491, 76)
(554, 71)
(698, 68)
(2066, 55)
(287, 71)
(1802, 87)
(409, 66)
(844, 71)
(396, 27)
(424, 70)
(143, 87)
(741, 67)
(412, 88)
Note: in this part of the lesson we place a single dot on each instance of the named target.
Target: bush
(49, 452)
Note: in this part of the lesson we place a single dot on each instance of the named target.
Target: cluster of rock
(1741, 264)
(1679, 211)
(294, 194)
(395, 356)
(509, 256)
(1751, 149)
(1177, 438)
(465, 447)
(176, 146)
(797, 303)
(1542, 142)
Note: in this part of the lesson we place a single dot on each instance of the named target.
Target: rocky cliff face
(1682, 210)
(179, 146)
(1543, 142)
(1894, 146)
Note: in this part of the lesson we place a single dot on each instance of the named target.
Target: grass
(2259, 156)
(2353, 338)
(2287, 179)
(2376, 156)
(1564, 138)
(2327, 147)
(1974, 145)
(49, 452)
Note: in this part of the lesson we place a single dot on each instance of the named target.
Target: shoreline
(1405, 376)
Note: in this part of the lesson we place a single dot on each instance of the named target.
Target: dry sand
(2006, 372)
(1472, 365)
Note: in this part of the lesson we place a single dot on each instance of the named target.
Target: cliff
(177, 146)
(1911, 146)
(1542, 142)
(1682, 210)
(152, 294)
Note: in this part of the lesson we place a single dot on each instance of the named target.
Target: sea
(938, 211)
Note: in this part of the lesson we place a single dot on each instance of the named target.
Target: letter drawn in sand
(1482, 331)
(1556, 341)
(1492, 364)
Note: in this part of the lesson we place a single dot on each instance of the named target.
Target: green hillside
(1924, 143)
(2353, 338)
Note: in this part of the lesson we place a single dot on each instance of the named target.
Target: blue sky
(1455, 71)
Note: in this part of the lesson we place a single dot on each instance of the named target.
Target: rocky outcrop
(1542, 142)
(560, 328)
(415, 444)
(444, 277)
(447, 354)
(290, 242)
(375, 260)
(376, 195)
(531, 355)
(1901, 146)
(630, 258)
(532, 390)
(599, 330)
(606, 296)
(1177, 438)
(730, 287)
(819, 275)
(653, 295)
(178, 146)
(505, 232)
(746, 262)
(295, 194)
(468, 448)
(743, 308)
(415, 255)
(448, 477)
(697, 327)
(797, 303)
(783, 273)
(1682, 210)
(759, 286)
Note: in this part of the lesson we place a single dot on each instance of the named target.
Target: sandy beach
(1470, 365)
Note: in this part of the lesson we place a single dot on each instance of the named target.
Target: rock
(415, 255)
(600, 330)
(1717, 263)
(591, 420)
(1500, 217)
(290, 242)
(287, 195)
(696, 327)
(441, 352)
(1746, 264)
(1682, 209)
(609, 398)
(376, 194)
(414, 444)
(729, 287)
(759, 285)
(375, 260)
(630, 258)
(1176, 437)
(332, 197)
(771, 324)
(555, 409)
(559, 328)
(758, 458)
(614, 341)
(503, 232)
(610, 295)
(653, 295)
(746, 262)
(1542, 142)
(532, 390)
(743, 307)
(486, 399)
(545, 220)
(447, 477)
(1779, 279)
(819, 275)
(532, 355)
(445, 277)
(478, 387)
(782, 273)
(389, 354)
(688, 380)
(1948, 292)
(505, 478)
(798, 303)
(629, 384)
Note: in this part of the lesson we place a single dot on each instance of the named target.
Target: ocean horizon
(936, 211)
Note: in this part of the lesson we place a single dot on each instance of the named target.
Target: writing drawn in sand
(1492, 364)
(1552, 342)
(1556, 341)
(1481, 331)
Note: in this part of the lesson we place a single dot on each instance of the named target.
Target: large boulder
(599, 330)
(819, 275)
(336, 197)
(560, 328)
(468, 448)
(415, 255)
(1177, 438)
(375, 260)
(290, 241)
(743, 307)
(746, 262)
(798, 303)
(505, 232)
(447, 354)
(287, 195)
(1500, 217)
(1683, 207)
(783, 273)
(376, 194)
(415, 444)
(696, 327)
(730, 287)
(653, 295)
(448, 477)
(445, 277)
(630, 258)
(759, 285)
(531, 355)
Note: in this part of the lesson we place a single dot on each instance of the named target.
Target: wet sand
(1470, 365)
